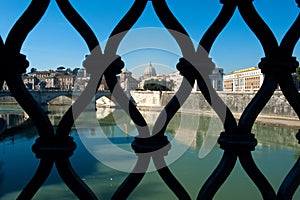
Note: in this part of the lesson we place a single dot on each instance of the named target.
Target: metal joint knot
(115, 67)
(278, 67)
(97, 63)
(151, 144)
(54, 148)
(237, 142)
(17, 63)
(193, 68)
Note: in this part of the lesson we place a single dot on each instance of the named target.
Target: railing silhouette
(54, 147)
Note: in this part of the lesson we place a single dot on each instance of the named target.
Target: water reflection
(275, 154)
(199, 127)
(1, 172)
(13, 118)
(186, 126)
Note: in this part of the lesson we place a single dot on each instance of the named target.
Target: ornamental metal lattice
(55, 146)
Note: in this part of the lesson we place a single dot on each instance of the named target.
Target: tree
(29, 86)
(75, 71)
(158, 85)
(42, 85)
(69, 70)
(298, 73)
(60, 69)
(33, 70)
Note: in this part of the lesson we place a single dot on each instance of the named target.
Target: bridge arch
(43, 97)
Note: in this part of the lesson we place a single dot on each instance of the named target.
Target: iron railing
(54, 147)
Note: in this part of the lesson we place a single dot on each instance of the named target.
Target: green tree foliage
(158, 85)
(75, 71)
(33, 70)
(69, 71)
(60, 69)
(298, 73)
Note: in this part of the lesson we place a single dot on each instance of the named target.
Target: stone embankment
(277, 112)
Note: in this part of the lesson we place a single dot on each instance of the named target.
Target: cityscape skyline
(242, 80)
(54, 42)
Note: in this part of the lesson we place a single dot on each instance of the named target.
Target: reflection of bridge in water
(13, 118)
(43, 97)
(190, 129)
(10, 119)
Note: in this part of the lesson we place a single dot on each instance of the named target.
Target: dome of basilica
(149, 71)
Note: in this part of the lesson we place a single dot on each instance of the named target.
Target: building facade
(127, 82)
(64, 81)
(216, 78)
(29, 82)
(49, 80)
(249, 79)
(149, 72)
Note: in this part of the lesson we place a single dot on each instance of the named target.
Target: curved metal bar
(111, 49)
(124, 25)
(204, 84)
(218, 25)
(290, 183)
(227, 163)
(30, 106)
(258, 26)
(291, 93)
(257, 177)
(217, 104)
(68, 119)
(257, 104)
(79, 24)
(187, 48)
(25, 24)
(143, 130)
(218, 177)
(92, 42)
(172, 107)
(134, 178)
(73, 181)
(37, 180)
(127, 105)
(175, 28)
(13, 44)
(169, 178)
(291, 38)
(244, 127)
(161, 10)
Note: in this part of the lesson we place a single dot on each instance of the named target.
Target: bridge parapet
(45, 96)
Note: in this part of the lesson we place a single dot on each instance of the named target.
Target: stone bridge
(43, 97)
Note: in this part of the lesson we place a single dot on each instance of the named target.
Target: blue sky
(54, 42)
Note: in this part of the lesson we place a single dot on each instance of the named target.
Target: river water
(103, 157)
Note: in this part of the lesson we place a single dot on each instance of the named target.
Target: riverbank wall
(61, 100)
(277, 106)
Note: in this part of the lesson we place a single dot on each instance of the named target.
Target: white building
(216, 78)
(149, 72)
(249, 79)
(127, 82)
